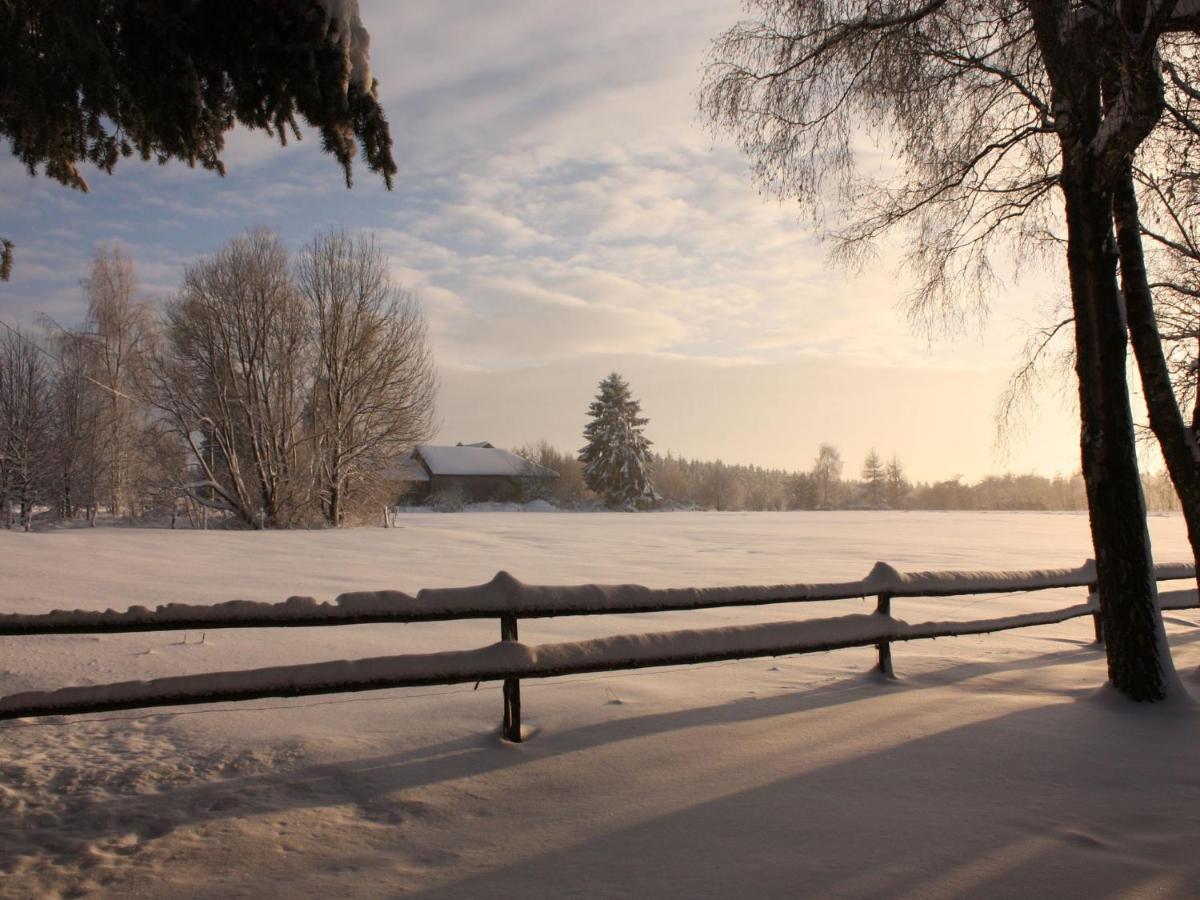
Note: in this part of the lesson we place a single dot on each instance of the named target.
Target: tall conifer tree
(616, 460)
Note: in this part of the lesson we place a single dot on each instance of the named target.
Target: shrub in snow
(450, 499)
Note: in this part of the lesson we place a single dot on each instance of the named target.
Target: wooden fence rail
(509, 660)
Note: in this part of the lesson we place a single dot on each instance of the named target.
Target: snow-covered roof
(470, 460)
(405, 469)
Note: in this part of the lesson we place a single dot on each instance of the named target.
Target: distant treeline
(701, 484)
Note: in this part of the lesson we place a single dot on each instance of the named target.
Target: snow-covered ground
(992, 766)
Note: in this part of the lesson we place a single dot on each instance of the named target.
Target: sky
(562, 212)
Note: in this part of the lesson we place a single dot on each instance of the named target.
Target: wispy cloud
(558, 208)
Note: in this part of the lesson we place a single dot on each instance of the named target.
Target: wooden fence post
(1096, 623)
(883, 607)
(511, 729)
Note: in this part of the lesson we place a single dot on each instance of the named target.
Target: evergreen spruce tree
(616, 460)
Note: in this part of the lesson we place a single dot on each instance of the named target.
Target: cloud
(709, 270)
(483, 227)
(557, 205)
(505, 322)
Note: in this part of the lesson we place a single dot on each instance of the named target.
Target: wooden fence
(507, 599)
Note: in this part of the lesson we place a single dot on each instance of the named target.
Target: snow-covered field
(993, 766)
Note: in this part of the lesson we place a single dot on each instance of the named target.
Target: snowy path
(991, 767)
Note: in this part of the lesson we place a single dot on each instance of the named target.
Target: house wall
(481, 488)
(473, 488)
(476, 488)
(412, 492)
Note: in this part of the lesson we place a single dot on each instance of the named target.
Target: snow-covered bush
(449, 499)
(616, 459)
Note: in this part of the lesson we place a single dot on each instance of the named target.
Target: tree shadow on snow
(1077, 799)
(929, 777)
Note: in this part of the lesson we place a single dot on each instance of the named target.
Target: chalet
(474, 472)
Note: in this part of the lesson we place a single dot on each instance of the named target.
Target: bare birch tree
(1170, 232)
(25, 422)
(1162, 317)
(374, 385)
(874, 479)
(1164, 325)
(117, 332)
(827, 475)
(75, 430)
(230, 379)
(896, 487)
(999, 112)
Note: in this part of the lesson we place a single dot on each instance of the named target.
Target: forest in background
(702, 484)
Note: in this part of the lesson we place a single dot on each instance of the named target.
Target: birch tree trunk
(1139, 664)
(1176, 440)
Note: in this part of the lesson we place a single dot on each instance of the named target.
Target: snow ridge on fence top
(503, 659)
(233, 612)
(511, 659)
(885, 579)
(505, 594)
(900, 584)
(1172, 571)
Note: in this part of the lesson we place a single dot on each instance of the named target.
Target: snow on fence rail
(506, 598)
